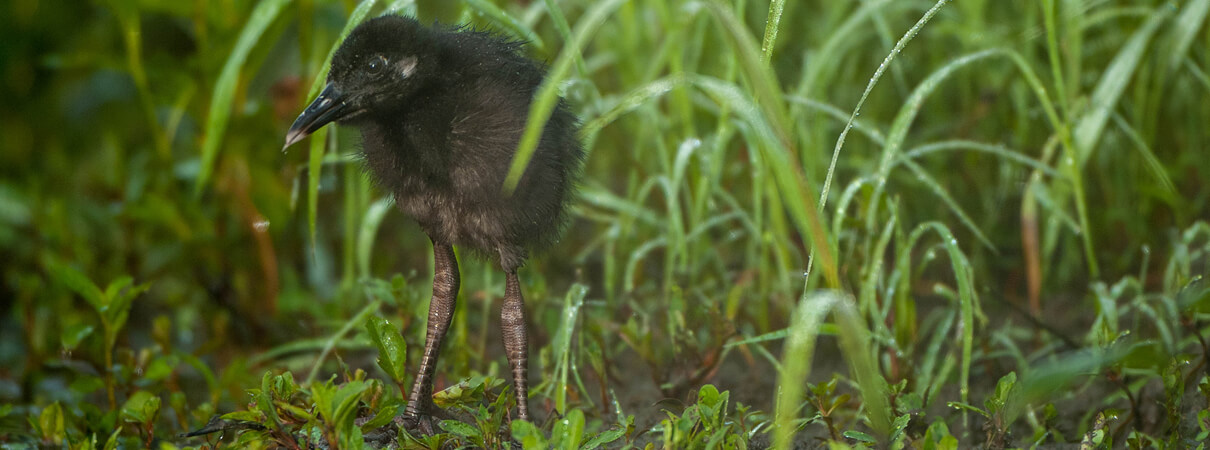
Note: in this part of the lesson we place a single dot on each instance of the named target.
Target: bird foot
(424, 422)
(421, 424)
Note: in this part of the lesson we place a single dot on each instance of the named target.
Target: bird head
(377, 68)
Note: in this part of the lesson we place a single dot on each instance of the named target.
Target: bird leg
(441, 311)
(512, 322)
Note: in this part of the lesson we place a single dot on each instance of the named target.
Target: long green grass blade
(805, 328)
(907, 115)
(319, 139)
(938, 190)
(858, 354)
(506, 23)
(132, 33)
(629, 102)
(562, 350)
(564, 29)
(1109, 89)
(807, 81)
(779, 152)
(796, 362)
(871, 131)
(369, 228)
(1070, 165)
(547, 96)
(886, 62)
(998, 150)
(1198, 73)
(1191, 20)
(848, 33)
(1052, 48)
(224, 88)
(968, 301)
(357, 320)
(772, 24)
(1153, 163)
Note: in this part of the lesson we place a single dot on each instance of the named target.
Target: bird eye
(376, 64)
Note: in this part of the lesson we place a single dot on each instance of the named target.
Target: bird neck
(411, 139)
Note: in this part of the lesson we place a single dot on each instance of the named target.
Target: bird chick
(441, 111)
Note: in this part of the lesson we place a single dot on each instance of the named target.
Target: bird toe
(421, 425)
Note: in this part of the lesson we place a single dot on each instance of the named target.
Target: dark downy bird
(441, 111)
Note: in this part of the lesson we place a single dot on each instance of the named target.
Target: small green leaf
(937, 437)
(245, 416)
(51, 424)
(351, 438)
(346, 401)
(604, 438)
(119, 296)
(839, 401)
(321, 395)
(708, 395)
(295, 411)
(838, 445)
(112, 442)
(115, 287)
(264, 400)
(466, 392)
(996, 402)
(960, 405)
(900, 426)
(338, 406)
(530, 437)
(392, 350)
(713, 406)
(284, 386)
(87, 384)
(79, 283)
(860, 437)
(568, 432)
(386, 413)
(141, 407)
(461, 429)
(178, 402)
(160, 368)
(74, 334)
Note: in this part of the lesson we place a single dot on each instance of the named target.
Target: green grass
(881, 224)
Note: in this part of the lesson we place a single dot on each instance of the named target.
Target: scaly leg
(441, 311)
(512, 321)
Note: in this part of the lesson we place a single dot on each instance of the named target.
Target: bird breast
(447, 170)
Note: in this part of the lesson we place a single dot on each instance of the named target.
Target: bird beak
(329, 107)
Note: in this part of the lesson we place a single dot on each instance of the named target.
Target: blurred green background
(1024, 185)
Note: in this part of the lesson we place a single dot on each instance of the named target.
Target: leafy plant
(112, 306)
